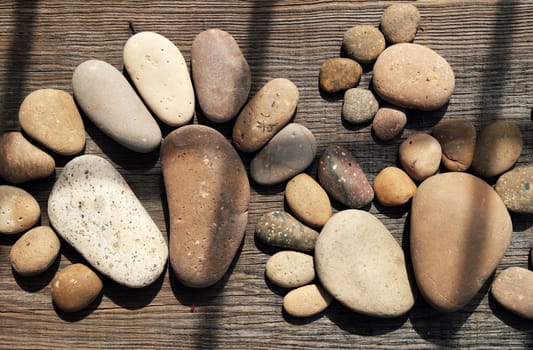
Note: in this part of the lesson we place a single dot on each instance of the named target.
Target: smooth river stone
(51, 117)
(362, 266)
(208, 195)
(222, 77)
(360, 105)
(19, 210)
(265, 114)
(498, 147)
(21, 161)
(159, 72)
(306, 301)
(363, 43)
(393, 187)
(389, 122)
(460, 230)
(308, 200)
(35, 251)
(413, 76)
(92, 207)
(342, 177)
(420, 155)
(75, 287)
(289, 269)
(399, 23)
(107, 98)
(280, 229)
(338, 74)
(457, 138)
(287, 154)
(513, 289)
(515, 187)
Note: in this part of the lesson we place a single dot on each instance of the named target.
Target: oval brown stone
(457, 138)
(420, 155)
(513, 289)
(208, 195)
(393, 187)
(308, 200)
(399, 23)
(515, 187)
(363, 43)
(35, 251)
(75, 287)
(19, 210)
(389, 122)
(338, 74)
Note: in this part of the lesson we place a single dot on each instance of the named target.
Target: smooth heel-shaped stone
(92, 207)
(306, 301)
(159, 72)
(222, 77)
(208, 195)
(107, 98)
(513, 289)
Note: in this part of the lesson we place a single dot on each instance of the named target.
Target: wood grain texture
(489, 46)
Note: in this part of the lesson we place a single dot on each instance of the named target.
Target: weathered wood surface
(488, 43)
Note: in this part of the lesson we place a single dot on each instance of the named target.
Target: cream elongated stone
(159, 72)
(92, 207)
(107, 98)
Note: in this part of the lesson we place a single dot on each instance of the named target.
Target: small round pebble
(515, 187)
(289, 269)
(306, 301)
(420, 155)
(363, 43)
(360, 105)
(338, 74)
(457, 138)
(19, 210)
(35, 251)
(308, 201)
(393, 187)
(75, 287)
(513, 289)
(399, 23)
(389, 122)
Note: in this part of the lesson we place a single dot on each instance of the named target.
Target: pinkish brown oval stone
(457, 138)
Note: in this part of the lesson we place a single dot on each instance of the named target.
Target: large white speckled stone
(92, 207)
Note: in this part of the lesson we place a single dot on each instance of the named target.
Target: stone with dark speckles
(515, 187)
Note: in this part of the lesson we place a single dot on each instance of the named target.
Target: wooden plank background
(489, 45)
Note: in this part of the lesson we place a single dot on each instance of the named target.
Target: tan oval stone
(21, 161)
(35, 251)
(460, 230)
(399, 23)
(51, 117)
(420, 155)
(515, 187)
(19, 210)
(308, 201)
(75, 287)
(208, 195)
(389, 122)
(363, 43)
(513, 289)
(498, 147)
(413, 76)
(306, 301)
(265, 114)
(457, 138)
(393, 187)
(289, 269)
(338, 74)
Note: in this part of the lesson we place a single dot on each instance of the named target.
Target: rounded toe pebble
(513, 289)
(35, 251)
(515, 187)
(360, 105)
(399, 23)
(420, 155)
(363, 43)
(457, 138)
(289, 269)
(306, 301)
(75, 287)
(393, 187)
(338, 74)
(307, 200)
(389, 122)
(19, 210)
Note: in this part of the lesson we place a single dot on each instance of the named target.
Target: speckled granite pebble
(420, 155)
(363, 43)
(399, 23)
(360, 105)
(19, 210)
(75, 287)
(35, 251)
(280, 229)
(92, 207)
(513, 289)
(306, 301)
(515, 187)
(289, 269)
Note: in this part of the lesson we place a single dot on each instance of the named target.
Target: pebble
(363, 43)
(265, 114)
(393, 187)
(208, 206)
(308, 200)
(459, 231)
(159, 72)
(360, 105)
(420, 155)
(389, 122)
(342, 177)
(222, 77)
(306, 301)
(75, 287)
(289, 269)
(116, 109)
(399, 23)
(513, 289)
(287, 154)
(515, 187)
(280, 229)
(35, 251)
(92, 208)
(498, 147)
(338, 74)
(413, 76)
(51, 118)
(457, 138)
(21, 161)
(362, 266)
(19, 210)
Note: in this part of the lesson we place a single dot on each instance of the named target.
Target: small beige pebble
(399, 23)
(289, 269)
(420, 155)
(75, 287)
(393, 187)
(306, 301)
(513, 289)
(35, 251)
(363, 43)
(308, 201)
(18, 210)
